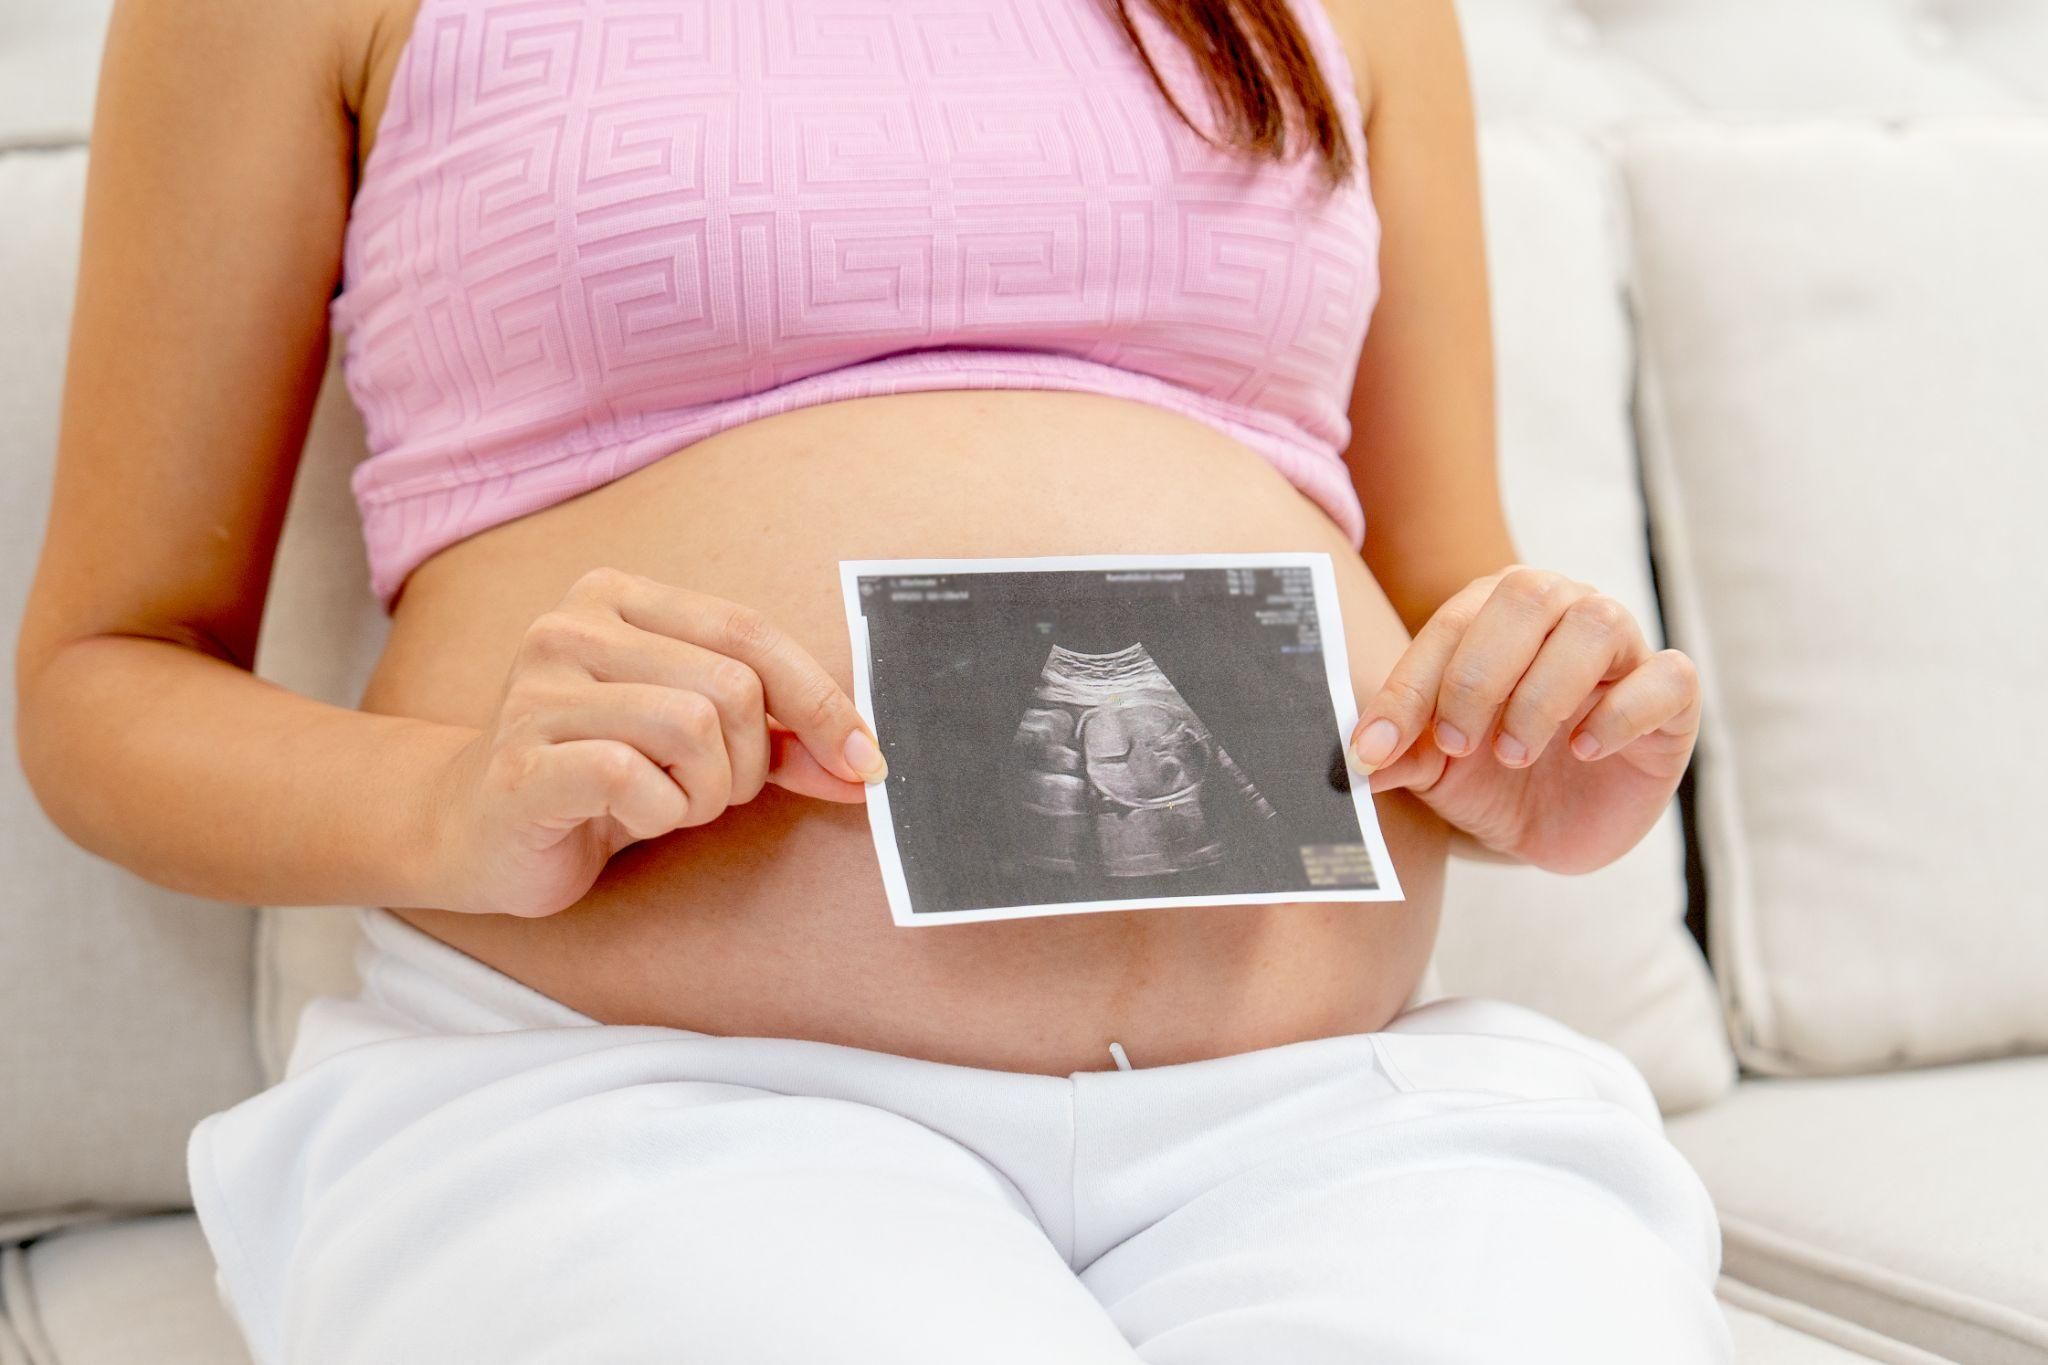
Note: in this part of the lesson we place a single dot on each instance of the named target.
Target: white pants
(459, 1169)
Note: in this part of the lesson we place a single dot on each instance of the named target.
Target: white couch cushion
(1608, 952)
(1606, 64)
(120, 1293)
(124, 1010)
(1764, 1340)
(1846, 399)
(49, 50)
(1913, 1204)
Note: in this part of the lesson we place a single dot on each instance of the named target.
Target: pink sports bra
(592, 232)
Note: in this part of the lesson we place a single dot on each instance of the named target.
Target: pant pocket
(1492, 1047)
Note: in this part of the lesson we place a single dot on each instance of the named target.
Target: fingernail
(1585, 746)
(1375, 742)
(864, 758)
(1510, 749)
(1449, 738)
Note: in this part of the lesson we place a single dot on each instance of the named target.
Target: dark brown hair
(1260, 69)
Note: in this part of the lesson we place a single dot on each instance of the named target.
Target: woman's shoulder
(250, 59)
(222, 39)
(370, 36)
(1398, 44)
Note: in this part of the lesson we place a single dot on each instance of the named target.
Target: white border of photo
(1336, 668)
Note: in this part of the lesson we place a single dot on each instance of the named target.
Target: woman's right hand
(632, 709)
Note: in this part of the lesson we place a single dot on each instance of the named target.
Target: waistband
(441, 989)
(414, 984)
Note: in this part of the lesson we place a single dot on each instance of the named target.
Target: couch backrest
(124, 1009)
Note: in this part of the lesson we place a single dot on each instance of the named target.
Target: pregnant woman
(656, 310)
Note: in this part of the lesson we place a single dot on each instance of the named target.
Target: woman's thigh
(1507, 1195)
(699, 1223)
(1471, 1239)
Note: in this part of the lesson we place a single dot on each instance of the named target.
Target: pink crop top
(592, 232)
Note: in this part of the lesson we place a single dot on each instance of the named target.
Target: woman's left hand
(1531, 712)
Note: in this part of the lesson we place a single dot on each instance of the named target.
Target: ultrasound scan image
(1106, 739)
(1115, 772)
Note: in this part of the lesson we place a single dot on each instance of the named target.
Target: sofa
(1771, 293)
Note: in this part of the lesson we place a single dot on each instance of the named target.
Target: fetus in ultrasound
(1117, 776)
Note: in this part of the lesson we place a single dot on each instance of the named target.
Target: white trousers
(459, 1169)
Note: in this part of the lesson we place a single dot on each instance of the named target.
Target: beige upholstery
(48, 53)
(1604, 65)
(143, 1291)
(123, 1008)
(136, 1292)
(1761, 1339)
(1847, 424)
(1914, 1204)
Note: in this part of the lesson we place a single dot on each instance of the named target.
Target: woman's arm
(217, 198)
(215, 203)
(1529, 711)
(1422, 410)
(1422, 457)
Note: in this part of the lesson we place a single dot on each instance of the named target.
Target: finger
(1660, 697)
(1503, 640)
(628, 654)
(1401, 708)
(1417, 769)
(572, 783)
(679, 730)
(793, 768)
(1597, 639)
(798, 691)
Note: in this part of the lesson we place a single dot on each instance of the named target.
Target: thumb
(793, 768)
(1417, 769)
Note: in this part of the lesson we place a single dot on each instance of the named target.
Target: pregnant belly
(772, 919)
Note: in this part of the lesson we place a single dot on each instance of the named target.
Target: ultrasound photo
(1088, 733)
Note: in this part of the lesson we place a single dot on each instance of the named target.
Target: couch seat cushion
(143, 1290)
(1764, 1340)
(1913, 1204)
(116, 1293)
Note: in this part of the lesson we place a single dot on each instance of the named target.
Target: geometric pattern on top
(591, 232)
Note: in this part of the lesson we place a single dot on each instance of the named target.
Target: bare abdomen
(771, 920)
